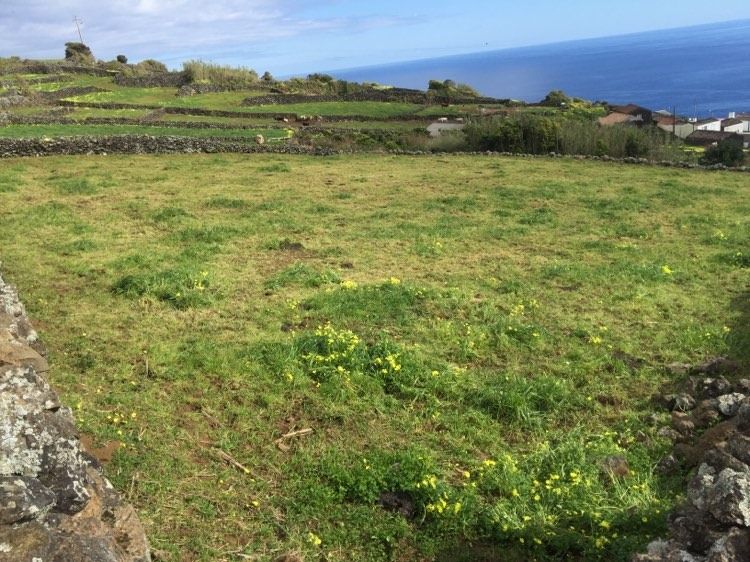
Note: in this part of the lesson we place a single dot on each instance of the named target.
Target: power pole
(78, 22)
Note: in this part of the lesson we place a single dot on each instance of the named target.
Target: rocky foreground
(55, 504)
(710, 425)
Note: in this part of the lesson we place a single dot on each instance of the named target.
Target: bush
(78, 53)
(220, 75)
(523, 133)
(122, 59)
(449, 89)
(541, 134)
(728, 152)
(150, 66)
(556, 98)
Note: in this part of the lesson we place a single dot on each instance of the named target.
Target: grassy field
(467, 339)
(372, 109)
(35, 131)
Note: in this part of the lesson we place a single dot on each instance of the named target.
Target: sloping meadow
(374, 357)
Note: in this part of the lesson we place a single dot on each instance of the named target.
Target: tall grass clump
(219, 75)
(540, 134)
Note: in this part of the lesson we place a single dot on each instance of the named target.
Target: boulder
(730, 403)
(733, 547)
(713, 387)
(55, 505)
(728, 498)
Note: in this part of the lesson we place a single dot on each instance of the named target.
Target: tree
(122, 59)
(267, 77)
(78, 53)
(556, 98)
(727, 151)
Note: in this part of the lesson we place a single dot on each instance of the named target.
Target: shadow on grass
(739, 337)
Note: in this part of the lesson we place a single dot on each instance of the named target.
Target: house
(710, 124)
(439, 127)
(641, 115)
(744, 118)
(630, 114)
(704, 137)
(733, 125)
(679, 127)
(616, 119)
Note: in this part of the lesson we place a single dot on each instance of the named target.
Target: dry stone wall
(390, 95)
(144, 144)
(163, 80)
(55, 503)
(710, 426)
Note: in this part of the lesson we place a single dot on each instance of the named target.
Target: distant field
(466, 337)
(167, 97)
(33, 131)
(365, 108)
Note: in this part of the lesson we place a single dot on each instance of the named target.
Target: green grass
(64, 130)
(472, 335)
(229, 101)
(364, 108)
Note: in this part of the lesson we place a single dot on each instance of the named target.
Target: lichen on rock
(55, 504)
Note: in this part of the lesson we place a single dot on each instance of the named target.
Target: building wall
(713, 126)
(738, 128)
(681, 130)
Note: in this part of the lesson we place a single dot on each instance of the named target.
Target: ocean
(702, 71)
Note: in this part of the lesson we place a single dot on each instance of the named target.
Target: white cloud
(150, 28)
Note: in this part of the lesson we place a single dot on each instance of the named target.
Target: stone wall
(710, 426)
(55, 504)
(178, 110)
(145, 121)
(163, 80)
(389, 95)
(70, 92)
(144, 144)
(39, 67)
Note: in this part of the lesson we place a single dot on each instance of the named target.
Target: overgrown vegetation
(78, 53)
(235, 78)
(468, 338)
(539, 134)
(448, 89)
(728, 152)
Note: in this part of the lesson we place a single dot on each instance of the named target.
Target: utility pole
(78, 22)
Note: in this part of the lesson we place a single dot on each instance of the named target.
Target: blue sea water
(701, 71)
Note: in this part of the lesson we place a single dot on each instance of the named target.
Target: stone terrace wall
(147, 122)
(144, 144)
(391, 95)
(70, 92)
(55, 505)
(164, 80)
(56, 68)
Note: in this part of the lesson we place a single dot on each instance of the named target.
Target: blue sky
(297, 36)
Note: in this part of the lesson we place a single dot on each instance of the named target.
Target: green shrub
(78, 53)
(150, 66)
(580, 134)
(179, 287)
(302, 275)
(220, 75)
(556, 98)
(728, 152)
